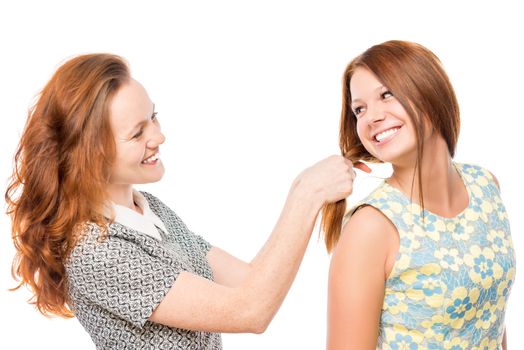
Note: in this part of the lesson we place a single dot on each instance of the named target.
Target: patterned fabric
(116, 282)
(450, 283)
(146, 222)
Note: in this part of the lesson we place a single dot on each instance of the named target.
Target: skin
(137, 136)
(244, 297)
(369, 243)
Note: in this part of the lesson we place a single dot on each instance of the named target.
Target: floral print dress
(450, 283)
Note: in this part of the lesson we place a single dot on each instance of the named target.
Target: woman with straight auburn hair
(425, 261)
(89, 245)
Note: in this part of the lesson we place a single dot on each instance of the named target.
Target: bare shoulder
(368, 239)
(370, 223)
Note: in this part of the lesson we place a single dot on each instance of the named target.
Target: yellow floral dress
(450, 283)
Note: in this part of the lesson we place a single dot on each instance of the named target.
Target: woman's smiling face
(137, 137)
(383, 125)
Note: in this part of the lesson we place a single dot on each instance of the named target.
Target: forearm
(247, 298)
(275, 266)
(199, 304)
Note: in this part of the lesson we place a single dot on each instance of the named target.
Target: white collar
(144, 223)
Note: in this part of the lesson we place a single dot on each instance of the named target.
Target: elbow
(256, 326)
(259, 327)
(256, 316)
(257, 320)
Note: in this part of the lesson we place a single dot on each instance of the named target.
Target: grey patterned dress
(115, 283)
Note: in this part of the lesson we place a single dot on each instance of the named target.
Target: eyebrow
(380, 87)
(141, 123)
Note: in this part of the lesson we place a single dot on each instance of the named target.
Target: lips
(382, 135)
(151, 159)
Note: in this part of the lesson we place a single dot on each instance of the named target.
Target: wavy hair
(60, 175)
(416, 78)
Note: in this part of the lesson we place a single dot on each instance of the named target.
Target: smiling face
(137, 137)
(383, 125)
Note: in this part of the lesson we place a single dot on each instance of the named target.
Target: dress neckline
(428, 212)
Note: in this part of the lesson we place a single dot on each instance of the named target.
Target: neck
(122, 195)
(442, 187)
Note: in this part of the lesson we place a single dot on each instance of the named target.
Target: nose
(156, 138)
(376, 114)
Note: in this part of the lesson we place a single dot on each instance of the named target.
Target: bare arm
(358, 269)
(250, 297)
(231, 271)
(227, 270)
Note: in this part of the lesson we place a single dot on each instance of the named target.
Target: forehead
(130, 105)
(363, 82)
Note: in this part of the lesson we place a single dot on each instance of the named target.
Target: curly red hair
(61, 171)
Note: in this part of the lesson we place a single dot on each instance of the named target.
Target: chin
(158, 178)
(397, 155)
(151, 178)
(148, 181)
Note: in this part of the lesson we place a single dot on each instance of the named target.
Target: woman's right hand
(247, 299)
(329, 180)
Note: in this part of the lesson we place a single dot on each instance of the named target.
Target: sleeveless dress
(450, 283)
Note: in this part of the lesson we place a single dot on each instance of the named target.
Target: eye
(358, 110)
(386, 94)
(138, 134)
(153, 116)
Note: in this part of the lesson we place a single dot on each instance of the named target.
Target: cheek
(130, 155)
(398, 109)
(360, 131)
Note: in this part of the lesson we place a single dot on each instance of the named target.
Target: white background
(249, 94)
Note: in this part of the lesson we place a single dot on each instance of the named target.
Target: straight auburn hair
(60, 175)
(416, 78)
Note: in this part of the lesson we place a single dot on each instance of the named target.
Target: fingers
(332, 177)
(350, 170)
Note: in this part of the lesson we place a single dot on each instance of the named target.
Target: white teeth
(151, 159)
(384, 134)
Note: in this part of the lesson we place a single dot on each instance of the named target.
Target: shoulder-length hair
(61, 171)
(416, 78)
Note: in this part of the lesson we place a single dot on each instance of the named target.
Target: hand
(330, 179)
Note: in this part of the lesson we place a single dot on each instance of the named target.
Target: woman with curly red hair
(122, 262)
